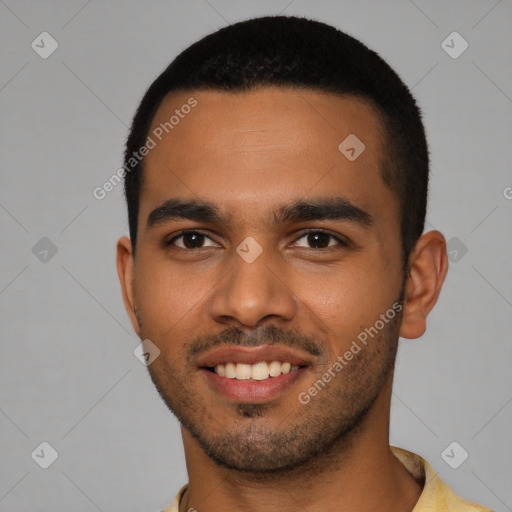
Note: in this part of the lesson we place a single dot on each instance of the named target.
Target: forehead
(263, 146)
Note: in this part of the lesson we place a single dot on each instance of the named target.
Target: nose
(252, 293)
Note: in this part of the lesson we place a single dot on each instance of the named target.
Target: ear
(125, 270)
(428, 265)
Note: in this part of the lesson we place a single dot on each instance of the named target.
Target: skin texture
(250, 153)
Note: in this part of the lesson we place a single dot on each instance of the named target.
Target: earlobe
(125, 271)
(428, 265)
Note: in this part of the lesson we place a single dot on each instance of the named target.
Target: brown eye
(191, 240)
(320, 240)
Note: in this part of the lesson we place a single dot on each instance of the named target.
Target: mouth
(253, 374)
(257, 372)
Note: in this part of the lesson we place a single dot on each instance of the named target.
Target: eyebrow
(337, 208)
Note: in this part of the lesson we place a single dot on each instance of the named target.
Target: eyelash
(341, 242)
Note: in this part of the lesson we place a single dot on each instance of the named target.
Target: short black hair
(288, 51)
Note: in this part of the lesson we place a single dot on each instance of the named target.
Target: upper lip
(253, 355)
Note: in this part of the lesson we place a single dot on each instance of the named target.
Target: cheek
(346, 300)
(165, 304)
(166, 297)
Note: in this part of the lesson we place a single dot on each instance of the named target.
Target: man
(276, 177)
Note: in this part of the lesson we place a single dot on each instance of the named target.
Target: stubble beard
(321, 430)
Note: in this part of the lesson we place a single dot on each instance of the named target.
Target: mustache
(267, 335)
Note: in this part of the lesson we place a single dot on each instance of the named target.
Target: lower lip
(252, 391)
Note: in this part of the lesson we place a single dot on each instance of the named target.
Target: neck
(359, 473)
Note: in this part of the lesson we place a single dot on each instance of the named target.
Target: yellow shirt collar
(436, 495)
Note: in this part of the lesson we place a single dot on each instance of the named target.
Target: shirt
(435, 497)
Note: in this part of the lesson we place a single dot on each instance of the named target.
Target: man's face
(260, 278)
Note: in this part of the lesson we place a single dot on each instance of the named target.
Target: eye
(191, 240)
(320, 240)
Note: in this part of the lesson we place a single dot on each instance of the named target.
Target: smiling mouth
(256, 372)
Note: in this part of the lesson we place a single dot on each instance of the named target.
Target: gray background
(68, 375)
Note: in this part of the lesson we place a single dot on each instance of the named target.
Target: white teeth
(258, 371)
(230, 370)
(275, 369)
(221, 370)
(243, 371)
